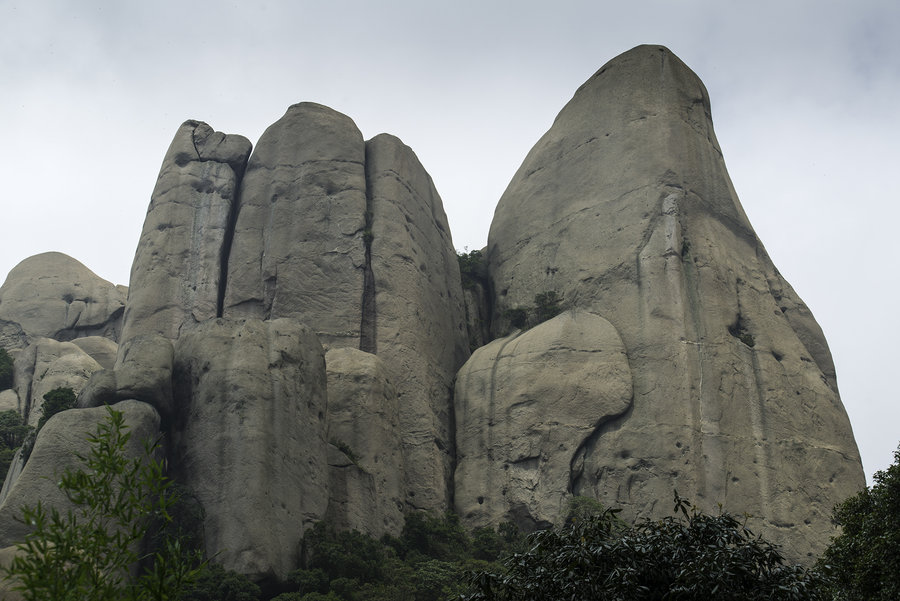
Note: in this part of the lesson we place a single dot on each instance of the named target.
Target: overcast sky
(804, 97)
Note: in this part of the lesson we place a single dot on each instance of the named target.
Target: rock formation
(624, 208)
(298, 329)
(54, 296)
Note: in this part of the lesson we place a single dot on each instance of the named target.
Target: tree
(6, 370)
(693, 556)
(55, 401)
(94, 552)
(864, 560)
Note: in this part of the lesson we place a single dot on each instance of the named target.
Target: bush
(695, 556)
(56, 401)
(215, 583)
(91, 553)
(864, 560)
(472, 268)
(6, 370)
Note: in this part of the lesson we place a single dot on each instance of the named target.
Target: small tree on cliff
(91, 552)
(864, 560)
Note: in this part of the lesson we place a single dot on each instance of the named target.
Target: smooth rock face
(61, 438)
(419, 325)
(527, 406)
(366, 489)
(624, 207)
(52, 295)
(250, 438)
(176, 274)
(143, 371)
(46, 365)
(102, 350)
(298, 241)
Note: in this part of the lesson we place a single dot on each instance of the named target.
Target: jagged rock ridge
(297, 324)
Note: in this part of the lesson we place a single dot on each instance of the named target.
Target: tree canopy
(864, 560)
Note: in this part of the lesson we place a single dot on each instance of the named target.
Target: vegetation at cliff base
(89, 553)
(689, 556)
(864, 559)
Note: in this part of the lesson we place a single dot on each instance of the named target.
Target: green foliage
(427, 562)
(55, 401)
(694, 556)
(472, 268)
(344, 448)
(215, 583)
(6, 370)
(12, 429)
(90, 552)
(864, 560)
(13, 432)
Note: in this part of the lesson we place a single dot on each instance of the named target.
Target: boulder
(250, 439)
(46, 365)
(143, 371)
(417, 314)
(176, 276)
(528, 408)
(298, 240)
(102, 350)
(364, 458)
(58, 443)
(625, 208)
(52, 295)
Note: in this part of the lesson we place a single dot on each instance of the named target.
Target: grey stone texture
(143, 371)
(527, 408)
(366, 491)
(177, 269)
(298, 246)
(46, 365)
(54, 296)
(625, 208)
(251, 438)
(59, 441)
(419, 313)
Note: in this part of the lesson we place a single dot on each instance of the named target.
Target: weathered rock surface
(366, 486)
(46, 365)
(250, 438)
(298, 241)
(625, 207)
(52, 295)
(527, 406)
(55, 449)
(176, 277)
(9, 400)
(143, 371)
(419, 316)
(102, 350)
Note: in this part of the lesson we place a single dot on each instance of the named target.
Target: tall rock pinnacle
(624, 208)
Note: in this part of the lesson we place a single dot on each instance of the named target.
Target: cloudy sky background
(804, 96)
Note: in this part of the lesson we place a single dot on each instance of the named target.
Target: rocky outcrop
(46, 365)
(250, 438)
(176, 277)
(102, 350)
(58, 443)
(143, 371)
(527, 407)
(298, 247)
(624, 207)
(418, 315)
(366, 485)
(54, 296)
